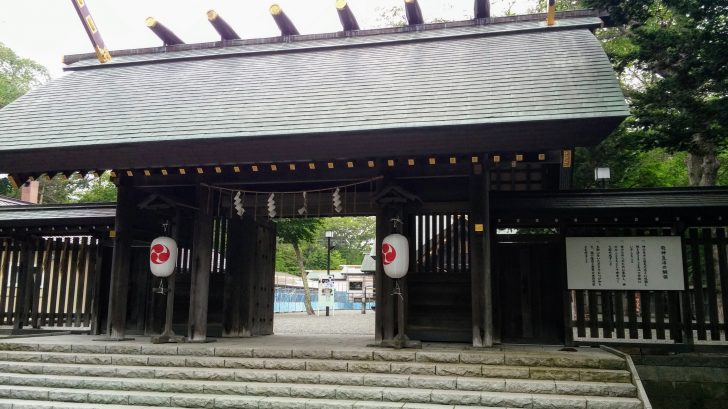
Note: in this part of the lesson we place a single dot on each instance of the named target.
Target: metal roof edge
(57, 206)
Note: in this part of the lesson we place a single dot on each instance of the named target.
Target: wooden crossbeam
(482, 8)
(551, 13)
(414, 13)
(284, 23)
(221, 26)
(102, 53)
(348, 21)
(164, 34)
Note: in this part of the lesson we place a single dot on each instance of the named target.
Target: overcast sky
(45, 30)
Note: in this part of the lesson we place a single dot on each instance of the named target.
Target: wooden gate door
(529, 281)
(439, 282)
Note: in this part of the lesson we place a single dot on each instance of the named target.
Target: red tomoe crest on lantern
(163, 256)
(395, 255)
(388, 253)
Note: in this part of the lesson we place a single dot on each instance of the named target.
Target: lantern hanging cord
(225, 189)
(397, 289)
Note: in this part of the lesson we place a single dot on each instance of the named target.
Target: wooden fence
(49, 283)
(696, 315)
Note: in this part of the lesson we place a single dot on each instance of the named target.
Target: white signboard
(624, 263)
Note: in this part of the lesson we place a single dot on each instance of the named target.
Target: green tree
(672, 57)
(97, 190)
(353, 236)
(17, 76)
(296, 232)
(561, 5)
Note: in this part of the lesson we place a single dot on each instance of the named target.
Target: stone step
(375, 387)
(410, 368)
(485, 357)
(12, 370)
(35, 404)
(194, 400)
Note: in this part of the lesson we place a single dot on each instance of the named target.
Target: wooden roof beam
(221, 26)
(348, 21)
(284, 23)
(414, 13)
(482, 8)
(164, 34)
(551, 13)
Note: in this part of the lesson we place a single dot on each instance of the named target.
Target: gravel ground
(341, 322)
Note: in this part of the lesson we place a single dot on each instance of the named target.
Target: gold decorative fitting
(431, 161)
(479, 227)
(200, 171)
(164, 172)
(211, 15)
(349, 164)
(182, 171)
(312, 166)
(453, 160)
(411, 162)
(217, 169)
(292, 166)
(474, 159)
(370, 163)
(129, 173)
(275, 10)
(496, 159)
(330, 165)
(81, 3)
(112, 233)
(340, 4)
(390, 162)
(541, 156)
(112, 173)
(150, 22)
(147, 172)
(566, 158)
(91, 25)
(273, 168)
(254, 168)
(236, 169)
(519, 158)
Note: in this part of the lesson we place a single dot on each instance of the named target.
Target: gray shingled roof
(63, 214)
(468, 76)
(9, 201)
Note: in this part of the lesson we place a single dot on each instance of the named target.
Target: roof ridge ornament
(102, 53)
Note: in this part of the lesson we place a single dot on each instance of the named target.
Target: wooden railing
(49, 283)
(694, 316)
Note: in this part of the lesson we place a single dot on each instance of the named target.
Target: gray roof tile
(478, 75)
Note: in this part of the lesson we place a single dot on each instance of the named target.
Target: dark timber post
(125, 206)
(200, 263)
(25, 283)
(480, 262)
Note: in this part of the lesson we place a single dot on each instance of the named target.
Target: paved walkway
(342, 322)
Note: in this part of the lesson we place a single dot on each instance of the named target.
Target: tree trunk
(304, 277)
(702, 163)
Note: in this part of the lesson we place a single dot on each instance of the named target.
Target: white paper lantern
(163, 256)
(395, 255)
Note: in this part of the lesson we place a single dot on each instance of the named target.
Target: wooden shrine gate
(50, 282)
(439, 307)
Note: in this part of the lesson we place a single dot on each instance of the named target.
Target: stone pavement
(349, 322)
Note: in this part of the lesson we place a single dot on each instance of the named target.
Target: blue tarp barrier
(290, 299)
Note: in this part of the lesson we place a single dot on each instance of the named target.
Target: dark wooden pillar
(200, 266)
(239, 280)
(25, 283)
(382, 294)
(125, 211)
(480, 257)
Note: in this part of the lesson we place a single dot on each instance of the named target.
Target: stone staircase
(97, 375)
